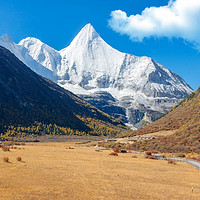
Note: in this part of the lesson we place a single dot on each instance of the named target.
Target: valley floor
(51, 171)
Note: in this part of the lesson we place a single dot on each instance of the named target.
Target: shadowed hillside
(26, 98)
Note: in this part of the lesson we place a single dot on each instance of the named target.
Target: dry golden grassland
(159, 133)
(50, 171)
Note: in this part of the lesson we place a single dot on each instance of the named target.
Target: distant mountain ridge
(26, 97)
(138, 88)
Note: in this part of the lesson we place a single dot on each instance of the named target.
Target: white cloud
(179, 19)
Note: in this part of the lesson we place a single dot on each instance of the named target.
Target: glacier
(136, 90)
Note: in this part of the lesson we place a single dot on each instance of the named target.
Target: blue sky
(56, 23)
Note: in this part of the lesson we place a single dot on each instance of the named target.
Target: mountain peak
(88, 25)
(30, 41)
(6, 37)
(6, 41)
(88, 28)
(86, 35)
(41, 52)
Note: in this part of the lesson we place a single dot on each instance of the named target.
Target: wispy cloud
(179, 19)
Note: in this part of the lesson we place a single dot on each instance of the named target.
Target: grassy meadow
(53, 171)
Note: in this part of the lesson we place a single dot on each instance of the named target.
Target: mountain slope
(185, 119)
(178, 118)
(22, 54)
(42, 53)
(140, 88)
(26, 97)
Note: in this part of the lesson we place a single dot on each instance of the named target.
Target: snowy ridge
(88, 50)
(141, 87)
(42, 53)
(22, 54)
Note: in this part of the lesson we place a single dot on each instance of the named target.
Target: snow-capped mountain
(43, 54)
(22, 54)
(128, 87)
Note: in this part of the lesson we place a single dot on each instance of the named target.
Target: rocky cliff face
(128, 87)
